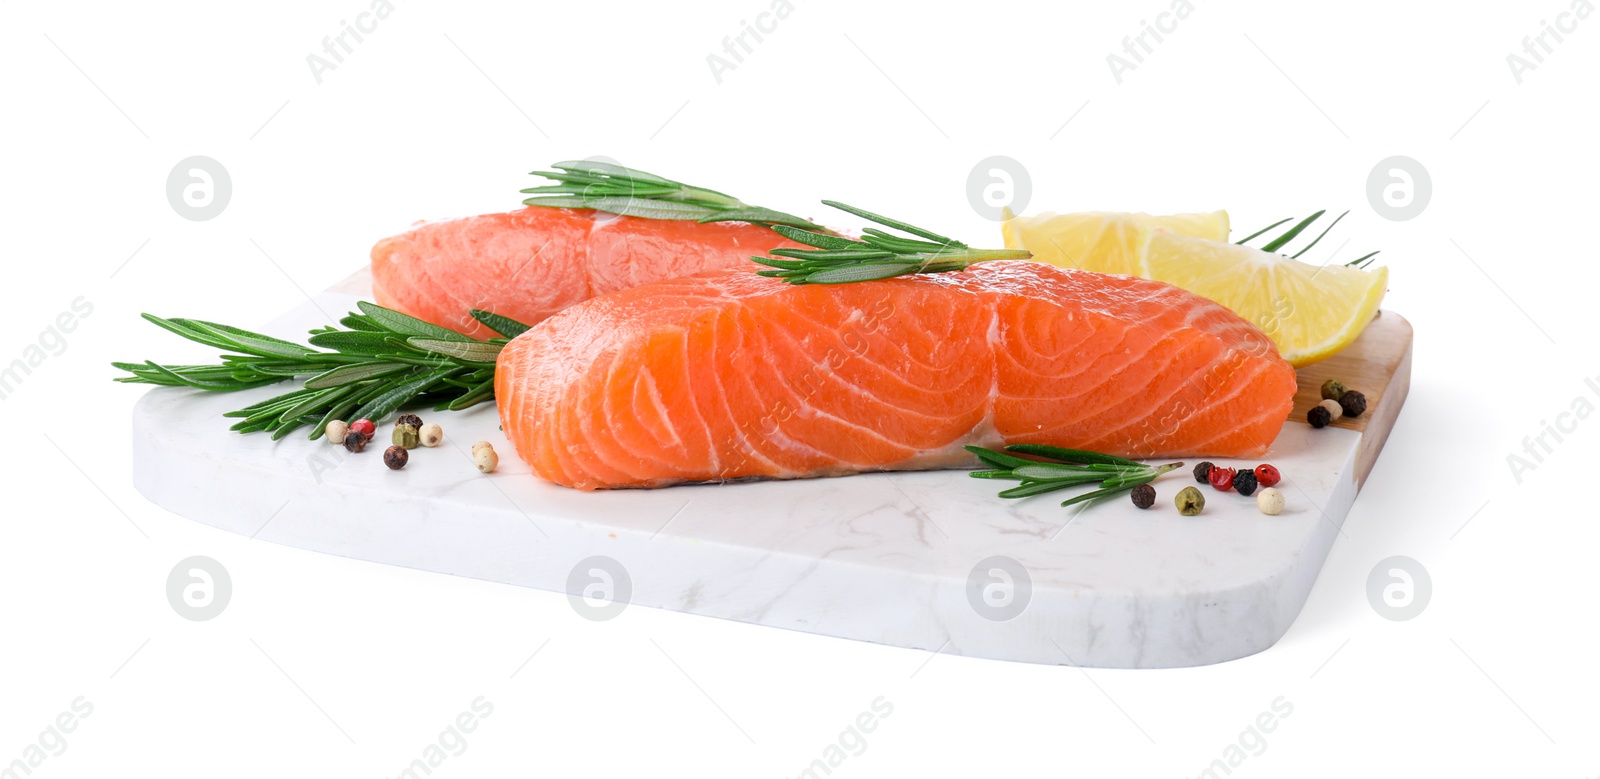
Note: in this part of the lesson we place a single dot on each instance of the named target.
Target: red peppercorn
(364, 427)
(1221, 478)
(1267, 476)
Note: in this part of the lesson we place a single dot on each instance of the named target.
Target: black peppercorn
(1353, 403)
(1144, 496)
(1245, 481)
(409, 419)
(395, 457)
(355, 441)
(1318, 417)
(1202, 472)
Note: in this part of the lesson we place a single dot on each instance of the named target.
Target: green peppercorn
(406, 436)
(1353, 403)
(1332, 389)
(1144, 496)
(1202, 472)
(1190, 502)
(1318, 417)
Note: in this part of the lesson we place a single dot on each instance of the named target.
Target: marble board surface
(926, 560)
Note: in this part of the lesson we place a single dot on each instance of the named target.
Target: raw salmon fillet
(729, 375)
(531, 263)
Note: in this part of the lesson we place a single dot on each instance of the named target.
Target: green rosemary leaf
(254, 343)
(1292, 232)
(398, 395)
(758, 215)
(1033, 488)
(1262, 231)
(1362, 261)
(180, 379)
(1070, 455)
(401, 324)
(503, 325)
(483, 392)
(1324, 232)
(468, 351)
(999, 459)
(879, 255)
(598, 168)
(355, 373)
(854, 273)
(367, 343)
(895, 223)
(833, 254)
(1097, 494)
(355, 321)
(182, 329)
(313, 401)
(816, 239)
(558, 202)
(649, 209)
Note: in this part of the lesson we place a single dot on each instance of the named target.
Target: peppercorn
(1332, 389)
(335, 431)
(1318, 417)
(405, 436)
(1144, 496)
(1245, 482)
(476, 445)
(355, 441)
(1267, 475)
(1270, 501)
(1190, 502)
(395, 457)
(485, 458)
(1353, 403)
(364, 427)
(1334, 409)
(1221, 478)
(1202, 472)
(409, 419)
(431, 434)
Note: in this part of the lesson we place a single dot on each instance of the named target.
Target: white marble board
(887, 558)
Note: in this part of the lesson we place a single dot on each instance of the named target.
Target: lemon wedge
(1310, 311)
(1104, 241)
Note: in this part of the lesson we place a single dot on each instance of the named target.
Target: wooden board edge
(1384, 415)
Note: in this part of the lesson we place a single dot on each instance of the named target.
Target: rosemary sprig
(1059, 468)
(878, 254)
(381, 361)
(618, 190)
(1294, 232)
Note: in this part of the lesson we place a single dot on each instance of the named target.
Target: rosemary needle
(878, 254)
(1061, 468)
(382, 361)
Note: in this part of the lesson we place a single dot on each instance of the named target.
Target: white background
(328, 667)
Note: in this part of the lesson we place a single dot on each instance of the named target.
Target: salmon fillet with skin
(729, 375)
(531, 263)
